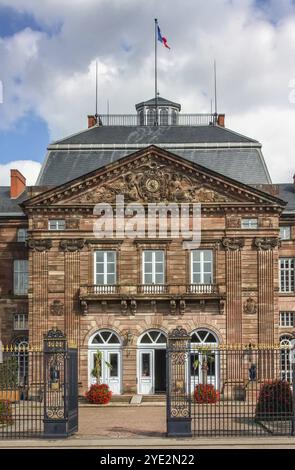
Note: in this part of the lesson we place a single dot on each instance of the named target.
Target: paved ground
(122, 422)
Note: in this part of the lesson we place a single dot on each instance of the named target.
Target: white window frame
(154, 271)
(285, 232)
(20, 276)
(287, 319)
(22, 235)
(287, 275)
(20, 321)
(202, 267)
(105, 267)
(249, 224)
(55, 225)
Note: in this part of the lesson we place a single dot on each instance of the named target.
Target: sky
(48, 51)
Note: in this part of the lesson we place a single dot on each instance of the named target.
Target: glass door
(146, 372)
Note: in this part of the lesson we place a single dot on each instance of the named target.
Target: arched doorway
(204, 358)
(285, 364)
(151, 362)
(110, 346)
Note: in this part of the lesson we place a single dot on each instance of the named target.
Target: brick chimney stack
(92, 121)
(221, 120)
(17, 183)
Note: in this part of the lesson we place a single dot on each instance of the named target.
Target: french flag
(162, 39)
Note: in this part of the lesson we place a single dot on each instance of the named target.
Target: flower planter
(99, 394)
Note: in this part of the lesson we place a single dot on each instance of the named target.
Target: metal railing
(167, 120)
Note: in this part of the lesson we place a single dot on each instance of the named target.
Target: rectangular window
(153, 267)
(20, 276)
(22, 235)
(201, 267)
(285, 233)
(287, 319)
(20, 321)
(250, 224)
(56, 224)
(287, 271)
(105, 267)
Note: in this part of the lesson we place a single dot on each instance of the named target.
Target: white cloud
(253, 47)
(28, 168)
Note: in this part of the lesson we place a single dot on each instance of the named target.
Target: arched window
(203, 337)
(151, 117)
(174, 118)
(204, 358)
(164, 117)
(286, 367)
(153, 337)
(141, 118)
(22, 346)
(105, 338)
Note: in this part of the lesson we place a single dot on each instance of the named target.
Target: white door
(110, 369)
(146, 372)
(199, 360)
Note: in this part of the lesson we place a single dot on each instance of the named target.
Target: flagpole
(156, 72)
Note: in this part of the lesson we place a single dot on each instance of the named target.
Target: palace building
(123, 295)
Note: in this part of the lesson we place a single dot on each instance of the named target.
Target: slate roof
(10, 206)
(156, 135)
(244, 165)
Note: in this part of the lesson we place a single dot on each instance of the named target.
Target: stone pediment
(152, 175)
(151, 181)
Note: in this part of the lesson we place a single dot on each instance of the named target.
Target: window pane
(148, 278)
(111, 279)
(145, 365)
(97, 339)
(146, 339)
(99, 268)
(196, 278)
(159, 255)
(148, 256)
(159, 278)
(99, 279)
(114, 365)
(114, 339)
(100, 256)
(111, 256)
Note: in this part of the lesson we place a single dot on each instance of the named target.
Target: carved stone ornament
(233, 222)
(133, 307)
(172, 307)
(182, 307)
(222, 305)
(152, 181)
(73, 224)
(124, 307)
(84, 307)
(233, 243)
(250, 306)
(57, 308)
(72, 245)
(266, 243)
(39, 245)
(178, 332)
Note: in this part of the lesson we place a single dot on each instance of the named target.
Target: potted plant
(99, 393)
(206, 394)
(9, 389)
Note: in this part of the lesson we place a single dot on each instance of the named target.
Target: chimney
(17, 183)
(221, 120)
(294, 180)
(92, 121)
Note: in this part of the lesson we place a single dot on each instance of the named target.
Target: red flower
(99, 394)
(206, 393)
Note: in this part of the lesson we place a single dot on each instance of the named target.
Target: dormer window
(167, 112)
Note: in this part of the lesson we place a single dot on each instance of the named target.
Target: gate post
(178, 384)
(56, 385)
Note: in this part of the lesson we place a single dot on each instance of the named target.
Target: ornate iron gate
(228, 390)
(39, 389)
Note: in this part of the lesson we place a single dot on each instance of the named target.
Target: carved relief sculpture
(57, 308)
(250, 306)
(39, 245)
